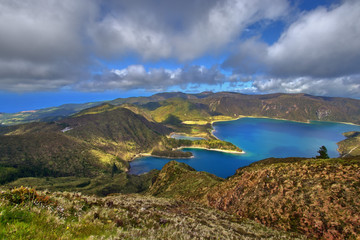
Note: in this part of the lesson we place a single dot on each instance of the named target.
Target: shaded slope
(47, 154)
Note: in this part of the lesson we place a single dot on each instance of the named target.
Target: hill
(45, 114)
(27, 214)
(88, 144)
(314, 197)
(207, 106)
(351, 145)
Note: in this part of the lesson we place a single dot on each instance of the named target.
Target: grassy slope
(101, 185)
(178, 180)
(97, 139)
(351, 145)
(46, 153)
(119, 132)
(58, 215)
(318, 198)
(181, 108)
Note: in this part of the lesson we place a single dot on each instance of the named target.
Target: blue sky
(54, 52)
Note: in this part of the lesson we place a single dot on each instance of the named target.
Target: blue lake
(260, 138)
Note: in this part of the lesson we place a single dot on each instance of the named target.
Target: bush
(24, 195)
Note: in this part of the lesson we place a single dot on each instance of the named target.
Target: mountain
(88, 144)
(45, 114)
(92, 142)
(298, 107)
(207, 105)
(315, 197)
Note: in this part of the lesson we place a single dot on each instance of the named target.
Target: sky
(64, 51)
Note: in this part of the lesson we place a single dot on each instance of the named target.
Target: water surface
(180, 136)
(260, 138)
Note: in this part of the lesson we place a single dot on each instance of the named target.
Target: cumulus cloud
(55, 42)
(41, 43)
(50, 44)
(319, 54)
(322, 43)
(163, 36)
(137, 77)
(348, 86)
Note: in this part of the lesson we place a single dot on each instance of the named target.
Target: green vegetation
(172, 120)
(94, 141)
(96, 110)
(171, 154)
(351, 145)
(45, 114)
(208, 144)
(204, 108)
(30, 214)
(323, 153)
(180, 181)
(181, 109)
(101, 185)
(88, 152)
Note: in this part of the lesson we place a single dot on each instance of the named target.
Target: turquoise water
(260, 138)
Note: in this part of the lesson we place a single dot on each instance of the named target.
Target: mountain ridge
(298, 107)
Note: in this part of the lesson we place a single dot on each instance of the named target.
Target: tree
(114, 169)
(322, 153)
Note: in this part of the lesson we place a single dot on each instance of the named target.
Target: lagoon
(260, 138)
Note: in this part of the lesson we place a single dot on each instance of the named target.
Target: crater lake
(260, 138)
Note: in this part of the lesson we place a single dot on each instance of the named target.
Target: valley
(80, 161)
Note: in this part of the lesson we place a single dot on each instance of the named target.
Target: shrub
(23, 195)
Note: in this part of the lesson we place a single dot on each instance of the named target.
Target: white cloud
(322, 43)
(318, 54)
(42, 43)
(155, 37)
(348, 86)
(57, 41)
(137, 77)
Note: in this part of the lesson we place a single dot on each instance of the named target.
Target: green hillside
(351, 145)
(182, 109)
(88, 144)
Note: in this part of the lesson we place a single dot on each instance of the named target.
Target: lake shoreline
(212, 149)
